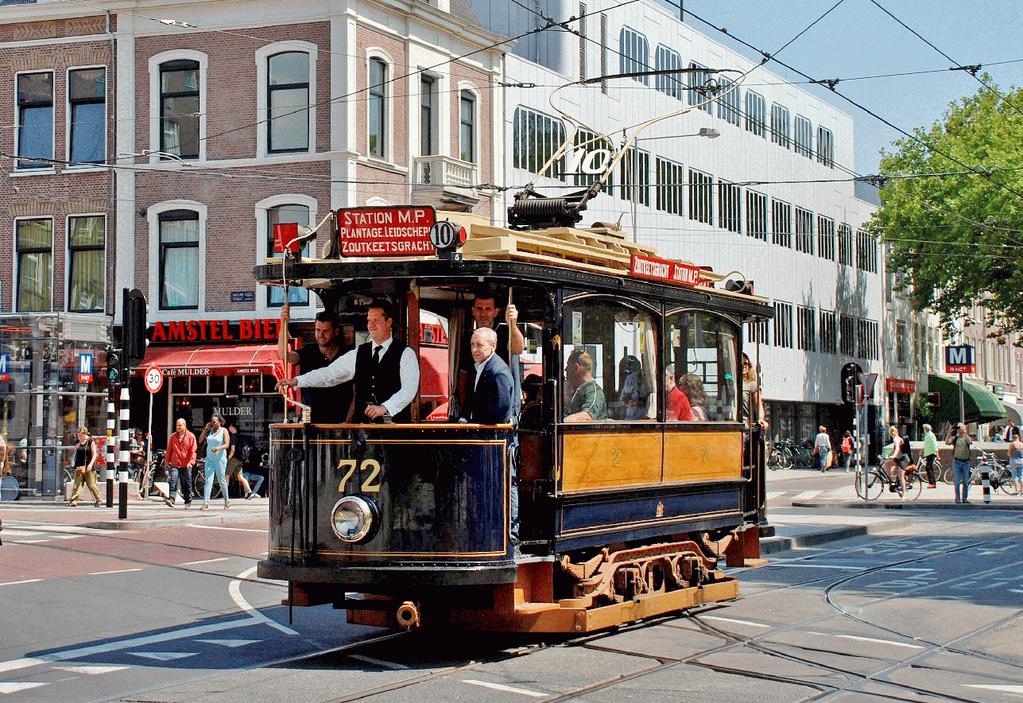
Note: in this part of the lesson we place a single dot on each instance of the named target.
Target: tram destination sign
(386, 231)
(665, 270)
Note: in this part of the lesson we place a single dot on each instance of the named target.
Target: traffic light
(134, 325)
(850, 381)
(113, 367)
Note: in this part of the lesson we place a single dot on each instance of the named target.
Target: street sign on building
(960, 358)
(85, 368)
(153, 378)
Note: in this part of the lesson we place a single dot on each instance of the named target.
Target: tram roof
(596, 258)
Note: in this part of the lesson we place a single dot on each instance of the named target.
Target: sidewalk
(142, 515)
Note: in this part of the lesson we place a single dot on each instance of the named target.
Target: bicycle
(145, 476)
(872, 486)
(999, 474)
(779, 457)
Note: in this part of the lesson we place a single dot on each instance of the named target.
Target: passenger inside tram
(585, 401)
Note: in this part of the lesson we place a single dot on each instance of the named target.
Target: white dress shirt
(343, 369)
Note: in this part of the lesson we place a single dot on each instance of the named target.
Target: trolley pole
(125, 447)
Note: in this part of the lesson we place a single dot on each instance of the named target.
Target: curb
(772, 545)
(899, 505)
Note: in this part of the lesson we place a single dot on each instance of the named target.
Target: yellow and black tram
(621, 514)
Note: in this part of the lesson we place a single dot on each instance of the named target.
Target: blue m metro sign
(960, 359)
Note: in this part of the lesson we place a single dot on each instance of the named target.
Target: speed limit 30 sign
(153, 379)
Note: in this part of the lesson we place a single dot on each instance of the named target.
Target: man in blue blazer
(490, 398)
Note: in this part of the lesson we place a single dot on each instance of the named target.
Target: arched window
(288, 102)
(179, 260)
(377, 106)
(702, 350)
(177, 95)
(467, 126)
(278, 215)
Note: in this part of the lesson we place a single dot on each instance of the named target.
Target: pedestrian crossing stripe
(164, 656)
(230, 643)
(16, 686)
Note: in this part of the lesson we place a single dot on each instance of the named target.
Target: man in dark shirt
(330, 404)
(490, 399)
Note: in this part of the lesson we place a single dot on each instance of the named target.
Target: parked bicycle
(779, 456)
(871, 486)
(999, 473)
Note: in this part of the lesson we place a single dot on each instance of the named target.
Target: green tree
(959, 236)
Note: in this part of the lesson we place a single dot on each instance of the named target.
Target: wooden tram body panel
(645, 493)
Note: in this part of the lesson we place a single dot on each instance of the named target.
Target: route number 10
(350, 466)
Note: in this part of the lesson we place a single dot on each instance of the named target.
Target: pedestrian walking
(961, 453)
(217, 443)
(85, 465)
(847, 449)
(822, 449)
(929, 453)
(1016, 459)
(179, 460)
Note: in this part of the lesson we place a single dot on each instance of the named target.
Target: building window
(728, 101)
(845, 244)
(758, 333)
(804, 137)
(671, 178)
(781, 133)
(583, 41)
(286, 214)
(825, 237)
(828, 337)
(866, 251)
(825, 147)
(467, 127)
(806, 319)
(86, 245)
(783, 324)
(179, 260)
(179, 108)
(377, 107)
(781, 223)
(585, 142)
(636, 186)
(729, 206)
(900, 342)
(87, 97)
(866, 339)
(700, 93)
(756, 118)
(668, 83)
(35, 120)
(756, 215)
(847, 335)
(34, 251)
(804, 230)
(634, 53)
(426, 117)
(536, 137)
(701, 197)
(603, 52)
(288, 102)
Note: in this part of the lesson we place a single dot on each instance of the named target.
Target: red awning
(215, 360)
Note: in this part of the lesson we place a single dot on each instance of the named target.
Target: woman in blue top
(217, 443)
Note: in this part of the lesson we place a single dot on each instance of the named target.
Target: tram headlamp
(353, 519)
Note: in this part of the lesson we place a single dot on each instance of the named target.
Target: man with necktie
(490, 397)
(386, 372)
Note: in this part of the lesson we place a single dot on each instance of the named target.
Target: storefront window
(610, 362)
(703, 350)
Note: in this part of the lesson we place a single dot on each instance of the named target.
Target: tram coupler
(744, 548)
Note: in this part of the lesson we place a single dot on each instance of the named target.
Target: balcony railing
(445, 178)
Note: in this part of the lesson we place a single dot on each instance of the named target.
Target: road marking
(234, 588)
(14, 687)
(871, 639)
(117, 571)
(377, 662)
(164, 656)
(806, 495)
(91, 670)
(996, 687)
(230, 643)
(908, 568)
(816, 566)
(507, 689)
(737, 622)
(217, 527)
(15, 583)
(203, 561)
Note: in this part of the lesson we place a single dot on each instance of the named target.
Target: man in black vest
(326, 404)
(386, 372)
(490, 397)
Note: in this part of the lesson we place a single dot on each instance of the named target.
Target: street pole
(962, 407)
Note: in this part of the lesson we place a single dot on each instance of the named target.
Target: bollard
(124, 455)
(109, 449)
(985, 482)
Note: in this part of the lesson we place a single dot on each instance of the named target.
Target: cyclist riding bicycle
(898, 460)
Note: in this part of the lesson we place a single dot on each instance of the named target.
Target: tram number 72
(348, 467)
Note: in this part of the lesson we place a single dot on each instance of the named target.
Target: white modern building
(770, 196)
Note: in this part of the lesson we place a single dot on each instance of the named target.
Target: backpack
(847, 445)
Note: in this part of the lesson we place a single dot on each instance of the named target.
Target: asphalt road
(927, 608)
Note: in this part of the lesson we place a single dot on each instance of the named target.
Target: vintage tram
(553, 523)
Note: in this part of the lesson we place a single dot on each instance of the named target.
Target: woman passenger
(692, 386)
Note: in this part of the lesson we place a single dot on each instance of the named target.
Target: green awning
(981, 404)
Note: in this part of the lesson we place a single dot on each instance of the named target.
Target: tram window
(434, 366)
(703, 349)
(614, 346)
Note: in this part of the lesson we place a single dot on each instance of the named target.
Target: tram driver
(586, 401)
(385, 371)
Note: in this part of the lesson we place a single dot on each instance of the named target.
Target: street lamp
(706, 132)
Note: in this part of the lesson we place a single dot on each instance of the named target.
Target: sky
(859, 39)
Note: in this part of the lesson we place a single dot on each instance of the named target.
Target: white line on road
(871, 639)
(377, 662)
(737, 622)
(203, 561)
(91, 670)
(117, 571)
(15, 583)
(802, 565)
(236, 595)
(217, 527)
(507, 689)
(995, 687)
(14, 687)
(806, 495)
